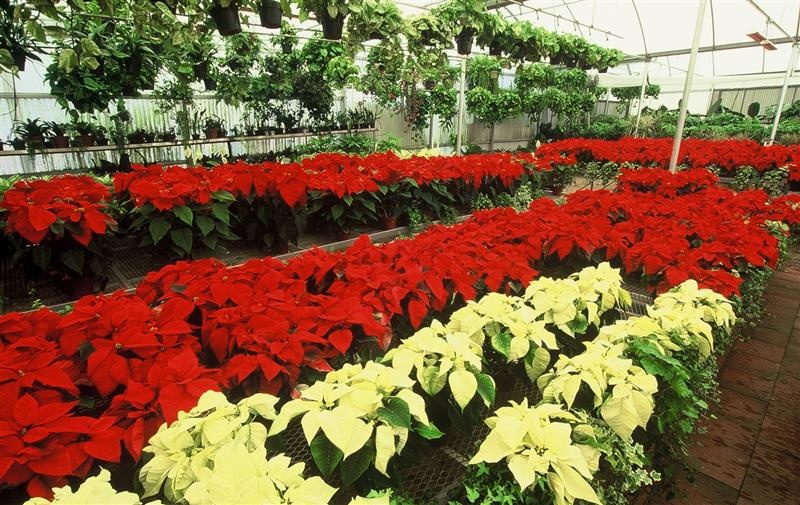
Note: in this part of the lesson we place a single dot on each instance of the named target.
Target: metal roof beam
(705, 49)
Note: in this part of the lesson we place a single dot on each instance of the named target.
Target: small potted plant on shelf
(467, 17)
(214, 127)
(18, 144)
(32, 131)
(225, 14)
(84, 133)
(141, 136)
(168, 136)
(58, 134)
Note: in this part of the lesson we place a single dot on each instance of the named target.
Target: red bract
(70, 205)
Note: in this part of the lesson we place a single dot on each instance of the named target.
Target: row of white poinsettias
(362, 415)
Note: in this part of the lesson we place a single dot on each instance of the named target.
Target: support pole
(641, 98)
(491, 138)
(687, 86)
(430, 132)
(782, 100)
(460, 122)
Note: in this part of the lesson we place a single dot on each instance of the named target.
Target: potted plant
(58, 134)
(141, 136)
(99, 136)
(168, 136)
(467, 16)
(214, 127)
(32, 131)
(428, 31)
(225, 14)
(374, 20)
(483, 71)
(83, 131)
(17, 42)
(329, 13)
(493, 29)
(287, 39)
(270, 12)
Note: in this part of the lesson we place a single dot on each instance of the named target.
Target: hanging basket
(210, 84)
(464, 41)
(226, 19)
(495, 50)
(201, 70)
(332, 27)
(270, 13)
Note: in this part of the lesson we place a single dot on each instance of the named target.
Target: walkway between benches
(750, 453)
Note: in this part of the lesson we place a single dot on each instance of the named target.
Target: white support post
(641, 98)
(687, 86)
(782, 100)
(460, 122)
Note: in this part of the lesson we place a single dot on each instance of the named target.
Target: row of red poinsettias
(728, 155)
(104, 376)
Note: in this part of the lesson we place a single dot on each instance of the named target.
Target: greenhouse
(399, 252)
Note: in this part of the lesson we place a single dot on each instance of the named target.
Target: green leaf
(158, 228)
(222, 196)
(429, 432)
(501, 342)
(205, 224)
(356, 464)
(348, 199)
(486, 388)
(67, 60)
(396, 413)
(326, 455)
(74, 260)
(220, 211)
(182, 237)
(536, 363)
(41, 256)
(336, 212)
(184, 213)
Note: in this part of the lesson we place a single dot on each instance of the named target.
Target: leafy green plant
(483, 71)
(374, 19)
(341, 71)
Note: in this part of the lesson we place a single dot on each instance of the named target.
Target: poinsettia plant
(61, 224)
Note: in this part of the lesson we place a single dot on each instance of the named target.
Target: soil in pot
(226, 19)
(270, 13)
(464, 41)
(60, 141)
(332, 27)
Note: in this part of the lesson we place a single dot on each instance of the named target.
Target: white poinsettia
(238, 474)
(182, 449)
(602, 285)
(93, 491)
(537, 442)
(625, 331)
(691, 314)
(621, 391)
(355, 404)
(442, 357)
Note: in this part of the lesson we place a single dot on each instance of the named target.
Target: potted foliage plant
(17, 43)
(214, 127)
(428, 31)
(467, 16)
(288, 37)
(374, 20)
(225, 14)
(329, 13)
(270, 12)
(493, 29)
(33, 132)
(58, 134)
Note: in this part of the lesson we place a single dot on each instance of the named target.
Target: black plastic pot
(210, 84)
(201, 70)
(495, 50)
(19, 59)
(375, 36)
(429, 84)
(603, 70)
(464, 41)
(128, 90)
(149, 85)
(270, 13)
(332, 27)
(556, 59)
(226, 19)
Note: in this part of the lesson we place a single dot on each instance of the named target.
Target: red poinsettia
(62, 206)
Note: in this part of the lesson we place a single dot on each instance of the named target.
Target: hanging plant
(374, 20)
(329, 13)
(483, 71)
(21, 34)
(466, 16)
(384, 73)
(341, 72)
(493, 29)
(225, 16)
(428, 31)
